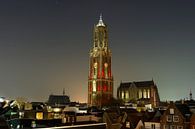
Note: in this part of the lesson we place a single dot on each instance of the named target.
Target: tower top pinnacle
(100, 23)
(100, 16)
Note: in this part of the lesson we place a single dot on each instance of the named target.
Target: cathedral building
(143, 92)
(100, 79)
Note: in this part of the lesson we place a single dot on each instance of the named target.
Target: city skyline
(44, 46)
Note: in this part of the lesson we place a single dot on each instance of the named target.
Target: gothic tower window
(106, 70)
(94, 86)
(95, 70)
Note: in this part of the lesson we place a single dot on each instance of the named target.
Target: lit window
(148, 93)
(140, 94)
(95, 70)
(94, 86)
(145, 93)
(171, 111)
(169, 118)
(122, 95)
(127, 95)
(175, 118)
(127, 124)
(39, 115)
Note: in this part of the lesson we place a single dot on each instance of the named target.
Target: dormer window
(175, 118)
(171, 111)
(169, 118)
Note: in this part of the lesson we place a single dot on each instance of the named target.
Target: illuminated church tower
(100, 80)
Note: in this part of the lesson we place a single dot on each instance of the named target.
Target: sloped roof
(183, 108)
(134, 118)
(144, 83)
(185, 111)
(137, 84)
(156, 117)
(58, 99)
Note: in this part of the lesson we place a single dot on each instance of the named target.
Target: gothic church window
(145, 94)
(127, 95)
(123, 95)
(140, 93)
(148, 93)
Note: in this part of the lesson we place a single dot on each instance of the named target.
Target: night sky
(44, 46)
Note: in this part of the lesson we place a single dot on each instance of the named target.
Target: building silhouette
(100, 79)
(58, 100)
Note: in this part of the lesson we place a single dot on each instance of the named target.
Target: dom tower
(100, 80)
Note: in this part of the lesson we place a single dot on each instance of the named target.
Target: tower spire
(100, 16)
(100, 23)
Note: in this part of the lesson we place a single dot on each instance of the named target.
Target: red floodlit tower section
(100, 80)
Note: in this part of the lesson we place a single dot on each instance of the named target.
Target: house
(140, 125)
(134, 119)
(172, 118)
(185, 111)
(153, 120)
(192, 122)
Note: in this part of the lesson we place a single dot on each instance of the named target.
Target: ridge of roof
(137, 83)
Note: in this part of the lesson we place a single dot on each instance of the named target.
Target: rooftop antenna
(190, 94)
